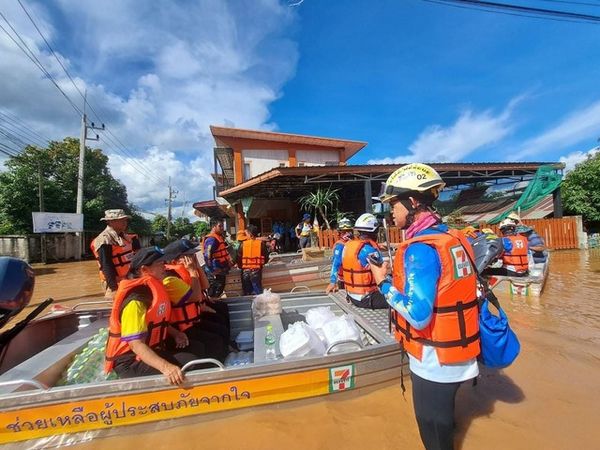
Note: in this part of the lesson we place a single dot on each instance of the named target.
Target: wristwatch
(385, 280)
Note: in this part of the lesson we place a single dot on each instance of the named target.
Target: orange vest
(219, 253)
(454, 327)
(187, 313)
(157, 318)
(357, 279)
(517, 260)
(121, 257)
(252, 257)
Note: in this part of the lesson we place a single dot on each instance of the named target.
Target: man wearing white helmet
(360, 285)
(515, 259)
(433, 294)
(336, 276)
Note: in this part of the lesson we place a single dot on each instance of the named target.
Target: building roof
(213, 209)
(290, 181)
(484, 212)
(350, 147)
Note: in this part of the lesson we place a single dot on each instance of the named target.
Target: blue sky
(418, 81)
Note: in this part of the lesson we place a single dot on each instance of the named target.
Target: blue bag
(499, 344)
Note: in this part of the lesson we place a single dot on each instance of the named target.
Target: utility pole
(41, 198)
(172, 195)
(82, 139)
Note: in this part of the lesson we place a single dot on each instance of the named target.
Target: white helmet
(506, 223)
(412, 178)
(366, 222)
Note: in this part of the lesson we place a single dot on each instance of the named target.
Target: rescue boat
(34, 411)
(529, 286)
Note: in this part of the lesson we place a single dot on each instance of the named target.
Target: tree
(182, 227)
(580, 189)
(159, 224)
(323, 200)
(202, 228)
(58, 164)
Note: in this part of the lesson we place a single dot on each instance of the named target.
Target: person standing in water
(433, 293)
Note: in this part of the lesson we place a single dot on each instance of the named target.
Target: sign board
(48, 222)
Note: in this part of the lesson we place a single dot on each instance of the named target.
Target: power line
(119, 146)
(21, 126)
(35, 60)
(519, 10)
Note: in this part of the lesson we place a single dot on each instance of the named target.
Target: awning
(213, 209)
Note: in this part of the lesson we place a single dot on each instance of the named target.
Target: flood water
(548, 399)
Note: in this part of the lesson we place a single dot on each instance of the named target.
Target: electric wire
(520, 10)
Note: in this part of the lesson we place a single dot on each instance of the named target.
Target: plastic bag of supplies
(266, 304)
(300, 340)
(340, 329)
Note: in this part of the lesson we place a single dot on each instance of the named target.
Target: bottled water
(270, 352)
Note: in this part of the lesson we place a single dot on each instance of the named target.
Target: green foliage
(182, 227)
(58, 164)
(323, 201)
(580, 189)
(159, 224)
(202, 228)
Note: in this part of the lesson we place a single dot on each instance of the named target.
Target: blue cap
(306, 216)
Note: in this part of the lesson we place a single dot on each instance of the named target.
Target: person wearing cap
(182, 283)
(218, 261)
(113, 248)
(514, 218)
(433, 293)
(303, 230)
(357, 255)
(336, 276)
(139, 325)
(251, 259)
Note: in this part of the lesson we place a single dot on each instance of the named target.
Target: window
(247, 171)
(300, 164)
(282, 164)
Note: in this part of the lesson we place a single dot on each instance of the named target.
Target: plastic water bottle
(270, 353)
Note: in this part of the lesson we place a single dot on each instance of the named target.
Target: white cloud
(574, 158)
(472, 131)
(578, 126)
(158, 73)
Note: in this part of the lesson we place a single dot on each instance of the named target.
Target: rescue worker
(536, 244)
(251, 260)
(183, 285)
(113, 248)
(218, 261)
(433, 293)
(303, 230)
(515, 259)
(336, 280)
(139, 325)
(514, 218)
(358, 254)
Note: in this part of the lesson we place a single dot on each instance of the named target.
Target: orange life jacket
(454, 327)
(358, 279)
(157, 318)
(517, 260)
(252, 257)
(187, 313)
(121, 257)
(219, 253)
(181, 272)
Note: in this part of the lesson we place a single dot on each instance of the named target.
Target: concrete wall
(317, 157)
(263, 160)
(59, 247)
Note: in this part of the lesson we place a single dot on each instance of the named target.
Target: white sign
(47, 222)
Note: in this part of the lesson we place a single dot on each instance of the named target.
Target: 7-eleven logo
(462, 265)
(341, 378)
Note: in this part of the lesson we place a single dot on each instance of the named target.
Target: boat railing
(86, 304)
(347, 341)
(195, 362)
(36, 384)
(297, 289)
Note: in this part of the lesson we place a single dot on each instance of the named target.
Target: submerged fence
(558, 234)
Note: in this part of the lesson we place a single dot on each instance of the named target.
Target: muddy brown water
(548, 399)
